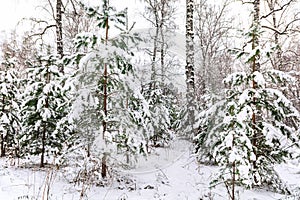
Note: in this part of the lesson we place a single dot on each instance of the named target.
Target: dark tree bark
(42, 163)
(2, 136)
(255, 67)
(44, 133)
(105, 98)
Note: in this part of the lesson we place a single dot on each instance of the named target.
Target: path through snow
(168, 174)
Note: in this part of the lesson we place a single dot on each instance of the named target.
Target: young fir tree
(108, 108)
(157, 91)
(163, 113)
(254, 127)
(230, 140)
(9, 105)
(44, 111)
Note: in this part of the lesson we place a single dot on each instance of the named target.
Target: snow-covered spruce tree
(108, 108)
(228, 129)
(44, 110)
(163, 107)
(231, 140)
(156, 90)
(9, 105)
(209, 117)
(255, 127)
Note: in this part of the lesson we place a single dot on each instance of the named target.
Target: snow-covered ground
(169, 174)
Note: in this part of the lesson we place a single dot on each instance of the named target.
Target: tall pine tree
(108, 105)
(255, 126)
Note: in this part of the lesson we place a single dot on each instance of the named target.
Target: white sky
(12, 11)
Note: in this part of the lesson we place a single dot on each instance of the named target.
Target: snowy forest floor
(168, 174)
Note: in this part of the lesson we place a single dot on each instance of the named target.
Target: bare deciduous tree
(213, 61)
(161, 16)
(280, 22)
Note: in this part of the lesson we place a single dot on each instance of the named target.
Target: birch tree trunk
(59, 37)
(190, 80)
(162, 42)
(160, 13)
(277, 63)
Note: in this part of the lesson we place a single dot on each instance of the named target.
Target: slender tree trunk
(162, 45)
(278, 53)
(59, 37)
(155, 46)
(2, 134)
(105, 97)
(44, 133)
(233, 181)
(255, 39)
(255, 44)
(255, 67)
(42, 164)
(190, 80)
(161, 12)
(2, 146)
(104, 166)
(43, 147)
(162, 57)
(233, 175)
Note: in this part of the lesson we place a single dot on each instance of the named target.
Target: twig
(276, 10)
(44, 31)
